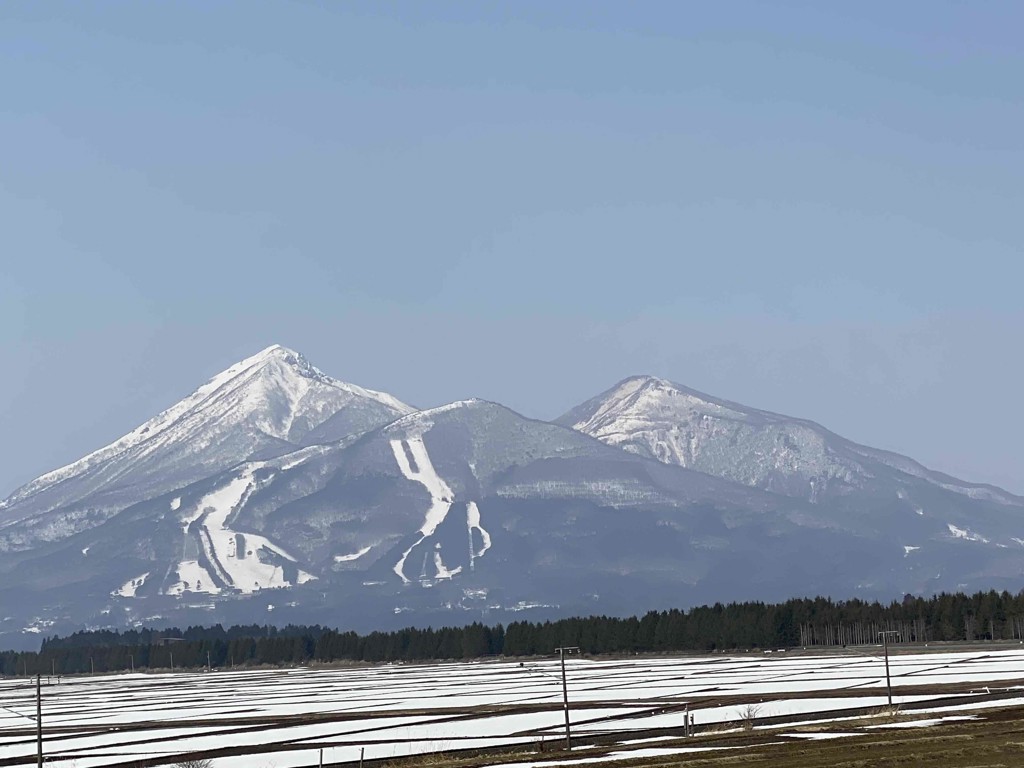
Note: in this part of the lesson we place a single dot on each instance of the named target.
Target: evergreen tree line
(798, 622)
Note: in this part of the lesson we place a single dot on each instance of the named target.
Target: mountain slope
(276, 488)
(676, 425)
(267, 404)
(468, 508)
(470, 511)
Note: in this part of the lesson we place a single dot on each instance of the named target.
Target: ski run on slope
(352, 556)
(217, 557)
(415, 464)
(130, 587)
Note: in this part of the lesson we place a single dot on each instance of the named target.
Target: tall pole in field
(565, 691)
(39, 721)
(885, 642)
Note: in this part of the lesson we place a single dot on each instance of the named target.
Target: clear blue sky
(814, 208)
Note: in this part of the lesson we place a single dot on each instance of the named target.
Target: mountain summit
(267, 404)
(676, 425)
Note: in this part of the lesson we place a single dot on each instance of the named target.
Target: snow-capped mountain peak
(645, 414)
(287, 396)
(659, 419)
(288, 358)
(643, 397)
(271, 402)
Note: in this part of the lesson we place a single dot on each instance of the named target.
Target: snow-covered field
(282, 718)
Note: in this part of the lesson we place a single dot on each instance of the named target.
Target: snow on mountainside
(270, 403)
(676, 425)
(277, 488)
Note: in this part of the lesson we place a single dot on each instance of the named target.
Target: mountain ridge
(274, 479)
(268, 401)
(638, 414)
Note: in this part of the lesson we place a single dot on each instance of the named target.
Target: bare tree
(748, 716)
(193, 764)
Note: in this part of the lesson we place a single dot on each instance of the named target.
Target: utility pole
(565, 691)
(39, 721)
(207, 661)
(885, 642)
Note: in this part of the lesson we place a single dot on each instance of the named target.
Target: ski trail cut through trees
(473, 522)
(410, 452)
(233, 556)
(414, 463)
